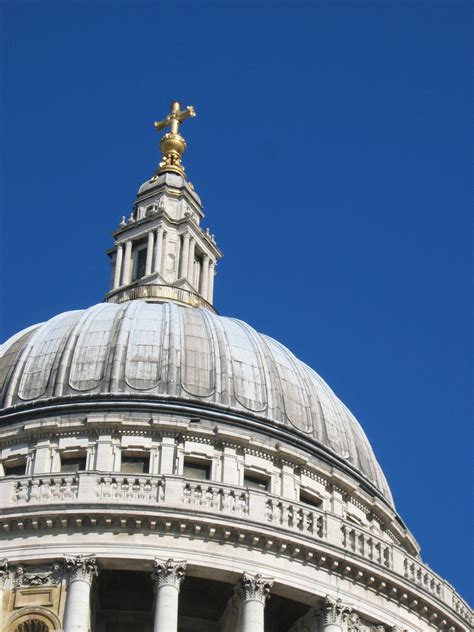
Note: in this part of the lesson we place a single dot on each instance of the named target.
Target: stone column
(118, 266)
(167, 577)
(204, 283)
(4, 575)
(253, 592)
(127, 266)
(210, 289)
(192, 248)
(158, 249)
(149, 253)
(81, 570)
(334, 614)
(184, 263)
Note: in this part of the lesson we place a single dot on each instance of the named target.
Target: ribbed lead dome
(168, 351)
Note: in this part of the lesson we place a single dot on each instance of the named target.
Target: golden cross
(175, 117)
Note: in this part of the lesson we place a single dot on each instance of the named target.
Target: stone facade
(163, 468)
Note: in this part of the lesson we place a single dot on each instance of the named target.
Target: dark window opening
(15, 468)
(135, 464)
(309, 499)
(255, 480)
(197, 469)
(140, 264)
(73, 463)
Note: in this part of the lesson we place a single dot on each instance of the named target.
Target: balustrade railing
(419, 574)
(139, 489)
(216, 498)
(366, 545)
(45, 489)
(295, 516)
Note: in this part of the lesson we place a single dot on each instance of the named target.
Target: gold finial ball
(172, 144)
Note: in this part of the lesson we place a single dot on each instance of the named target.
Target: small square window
(309, 499)
(15, 468)
(255, 480)
(73, 463)
(197, 469)
(135, 464)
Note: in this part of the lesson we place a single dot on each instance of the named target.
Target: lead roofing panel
(143, 362)
(197, 362)
(45, 346)
(247, 373)
(92, 349)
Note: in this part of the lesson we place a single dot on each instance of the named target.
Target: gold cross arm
(175, 117)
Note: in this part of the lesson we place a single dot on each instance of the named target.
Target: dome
(166, 353)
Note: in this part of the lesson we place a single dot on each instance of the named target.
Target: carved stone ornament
(4, 572)
(355, 624)
(254, 588)
(169, 573)
(48, 575)
(334, 611)
(82, 567)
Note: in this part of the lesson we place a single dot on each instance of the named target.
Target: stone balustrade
(220, 497)
(45, 489)
(294, 516)
(136, 489)
(367, 545)
(208, 500)
(421, 575)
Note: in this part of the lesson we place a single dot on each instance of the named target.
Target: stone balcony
(238, 515)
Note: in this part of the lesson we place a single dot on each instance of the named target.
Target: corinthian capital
(169, 573)
(334, 611)
(4, 571)
(254, 588)
(82, 567)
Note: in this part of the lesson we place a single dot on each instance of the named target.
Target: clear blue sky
(332, 151)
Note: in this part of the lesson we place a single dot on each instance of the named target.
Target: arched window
(32, 625)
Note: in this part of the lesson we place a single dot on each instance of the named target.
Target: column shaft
(253, 616)
(253, 591)
(166, 609)
(167, 577)
(118, 266)
(127, 267)
(204, 276)
(210, 289)
(158, 249)
(77, 612)
(149, 253)
(81, 570)
(184, 263)
(192, 248)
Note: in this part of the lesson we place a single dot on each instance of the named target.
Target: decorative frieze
(169, 573)
(45, 575)
(82, 568)
(254, 587)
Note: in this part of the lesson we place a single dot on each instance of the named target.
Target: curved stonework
(159, 352)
